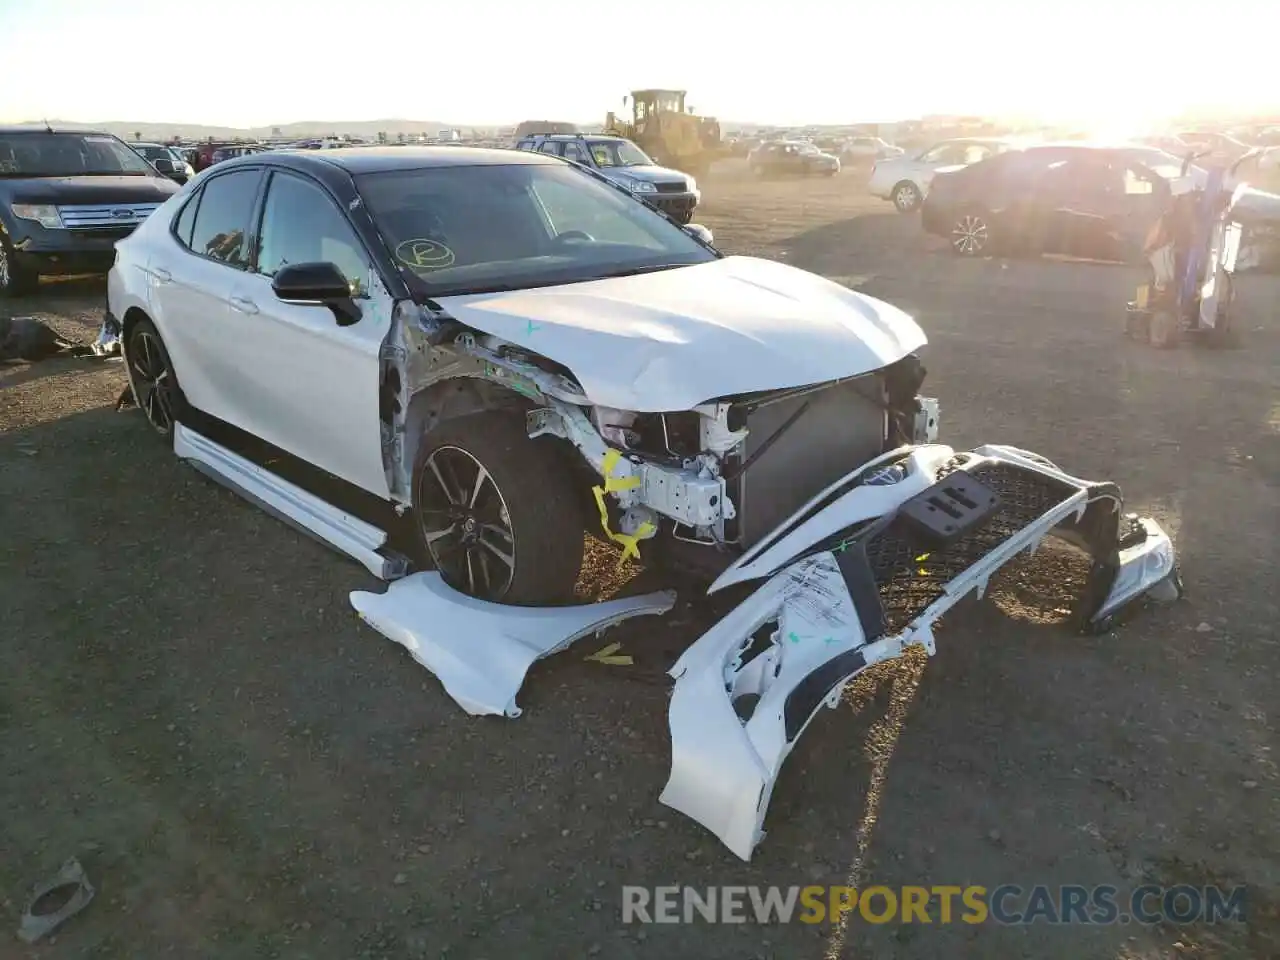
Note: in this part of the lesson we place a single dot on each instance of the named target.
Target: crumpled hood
(668, 341)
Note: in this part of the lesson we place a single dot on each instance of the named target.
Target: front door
(296, 378)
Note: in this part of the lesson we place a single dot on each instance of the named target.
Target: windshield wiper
(636, 271)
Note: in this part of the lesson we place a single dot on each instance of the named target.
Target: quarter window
(187, 218)
(302, 224)
(226, 203)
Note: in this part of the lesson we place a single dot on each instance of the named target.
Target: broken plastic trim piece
(34, 925)
(481, 651)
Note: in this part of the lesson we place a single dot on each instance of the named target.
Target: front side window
(466, 229)
(69, 155)
(302, 224)
(576, 152)
(226, 204)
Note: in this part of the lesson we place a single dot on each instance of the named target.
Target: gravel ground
(188, 704)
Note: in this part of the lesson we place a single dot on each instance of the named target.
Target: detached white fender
(481, 651)
(857, 575)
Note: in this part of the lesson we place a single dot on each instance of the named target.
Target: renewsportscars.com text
(1007, 904)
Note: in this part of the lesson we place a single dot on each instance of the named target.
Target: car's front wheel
(14, 281)
(906, 197)
(496, 513)
(971, 234)
(155, 385)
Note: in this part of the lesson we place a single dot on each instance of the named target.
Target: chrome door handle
(244, 304)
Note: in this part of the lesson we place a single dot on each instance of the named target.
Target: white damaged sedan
(447, 363)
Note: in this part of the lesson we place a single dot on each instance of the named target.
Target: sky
(250, 63)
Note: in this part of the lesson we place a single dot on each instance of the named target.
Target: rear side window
(222, 222)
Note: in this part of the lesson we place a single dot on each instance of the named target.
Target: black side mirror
(321, 284)
(165, 166)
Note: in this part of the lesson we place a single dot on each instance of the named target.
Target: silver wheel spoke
(488, 531)
(431, 537)
(471, 574)
(444, 484)
(481, 476)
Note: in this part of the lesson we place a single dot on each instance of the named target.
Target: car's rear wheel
(906, 197)
(971, 234)
(14, 281)
(155, 385)
(496, 513)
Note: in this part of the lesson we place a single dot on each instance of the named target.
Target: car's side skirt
(348, 534)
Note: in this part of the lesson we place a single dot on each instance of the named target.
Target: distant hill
(303, 128)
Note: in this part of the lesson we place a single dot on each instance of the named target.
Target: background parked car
(792, 157)
(905, 179)
(864, 151)
(166, 160)
(1216, 148)
(66, 197)
(1076, 199)
(620, 160)
(207, 154)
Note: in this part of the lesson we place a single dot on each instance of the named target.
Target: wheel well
(462, 396)
(908, 182)
(129, 321)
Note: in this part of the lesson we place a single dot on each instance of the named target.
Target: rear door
(192, 280)
(299, 380)
(1074, 199)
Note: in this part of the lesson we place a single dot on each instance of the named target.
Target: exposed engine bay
(717, 477)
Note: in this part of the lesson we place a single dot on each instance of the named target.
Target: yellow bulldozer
(663, 128)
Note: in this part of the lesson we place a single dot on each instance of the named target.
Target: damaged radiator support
(797, 445)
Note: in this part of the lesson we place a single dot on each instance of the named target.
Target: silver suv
(617, 158)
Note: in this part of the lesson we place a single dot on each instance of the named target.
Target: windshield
(619, 153)
(153, 153)
(1165, 164)
(475, 229)
(68, 155)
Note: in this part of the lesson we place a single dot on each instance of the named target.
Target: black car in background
(1076, 199)
(167, 160)
(792, 157)
(65, 199)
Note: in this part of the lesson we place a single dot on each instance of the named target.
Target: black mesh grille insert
(910, 576)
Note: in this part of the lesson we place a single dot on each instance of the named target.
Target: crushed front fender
(854, 578)
(481, 651)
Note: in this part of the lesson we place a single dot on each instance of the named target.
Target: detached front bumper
(854, 578)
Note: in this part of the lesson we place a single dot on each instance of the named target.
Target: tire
(971, 234)
(906, 197)
(155, 385)
(14, 281)
(517, 502)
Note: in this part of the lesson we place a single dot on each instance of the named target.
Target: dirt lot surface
(188, 704)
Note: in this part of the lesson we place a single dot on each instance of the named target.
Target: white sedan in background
(867, 150)
(905, 179)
